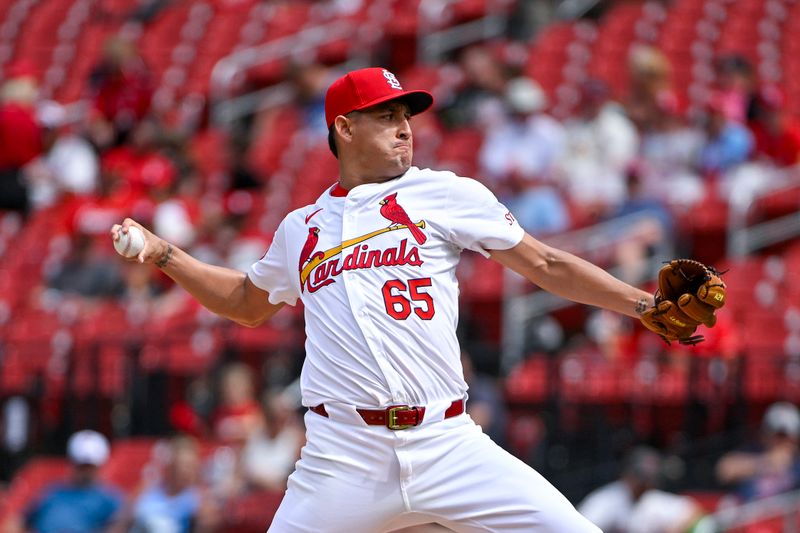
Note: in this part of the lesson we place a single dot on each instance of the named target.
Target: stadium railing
(778, 199)
(777, 514)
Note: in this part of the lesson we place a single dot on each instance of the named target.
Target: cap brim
(418, 101)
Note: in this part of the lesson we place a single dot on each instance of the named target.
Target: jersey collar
(338, 191)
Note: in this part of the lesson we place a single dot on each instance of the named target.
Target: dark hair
(332, 143)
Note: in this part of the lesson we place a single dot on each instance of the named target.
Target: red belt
(396, 416)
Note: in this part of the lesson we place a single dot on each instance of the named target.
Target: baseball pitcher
(389, 444)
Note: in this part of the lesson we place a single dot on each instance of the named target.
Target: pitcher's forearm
(575, 279)
(218, 289)
(572, 278)
(223, 291)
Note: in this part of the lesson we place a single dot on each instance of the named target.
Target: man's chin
(404, 160)
(403, 168)
(400, 164)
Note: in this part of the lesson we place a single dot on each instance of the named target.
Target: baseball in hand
(130, 244)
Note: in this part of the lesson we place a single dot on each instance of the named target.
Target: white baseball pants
(369, 479)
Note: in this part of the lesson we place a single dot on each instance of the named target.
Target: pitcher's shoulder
(302, 215)
(429, 174)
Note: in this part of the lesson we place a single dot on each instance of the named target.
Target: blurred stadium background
(628, 132)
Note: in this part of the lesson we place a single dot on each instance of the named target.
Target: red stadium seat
(529, 382)
(273, 132)
(124, 468)
(460, 152)
(31, 480)
(707, 500)
(194, 355)
(250, 513)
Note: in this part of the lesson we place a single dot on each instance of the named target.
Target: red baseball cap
(367, 87)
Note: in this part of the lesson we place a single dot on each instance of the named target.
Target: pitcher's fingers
(115, 229)
(147, 250)
(127, 223)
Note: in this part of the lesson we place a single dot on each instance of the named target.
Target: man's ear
(344, 126)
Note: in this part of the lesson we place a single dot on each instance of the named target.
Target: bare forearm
(218, 289)
(573, 278)
(224, 291)
(578, 280)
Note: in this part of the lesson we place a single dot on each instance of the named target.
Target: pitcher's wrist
(165, 258)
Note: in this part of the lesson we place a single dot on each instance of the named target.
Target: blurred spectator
(650, 75)
(311, 81)
(20, 134)
(69, 165)
(777, 137)
(239, 415)
(122, 88)
(485, 405)
(668, 154)
(272, 450)
(538, 208)
(601, 142)
(772, 466)
(734, 86)
(150, 295)
(518, 155)
(479, 101)
(140, 164)
(144, 174)
(527, 143)
(727, 143)
(176, 504)
(81, 504)
(633, 504)
(189, 414)
(88, 271)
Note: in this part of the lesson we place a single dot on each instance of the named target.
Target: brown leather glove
(689, 293)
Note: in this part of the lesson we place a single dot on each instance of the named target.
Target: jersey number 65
(399, 307)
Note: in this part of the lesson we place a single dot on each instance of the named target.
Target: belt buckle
(391, 421)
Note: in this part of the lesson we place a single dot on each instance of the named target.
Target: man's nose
(404, 130)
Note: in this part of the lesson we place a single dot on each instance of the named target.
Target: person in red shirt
(777, 136)
(21, 136)
(122, 88)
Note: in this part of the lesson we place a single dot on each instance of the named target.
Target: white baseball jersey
(375, 269)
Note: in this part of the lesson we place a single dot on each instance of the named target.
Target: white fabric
(669, 165)
(529, 147)
(597, 156)
(608, 507)
(271, 459)
(74, 164)
(612, 508)
(173, 223)
(356, 353)
(367, 479)
(88, 447)
(660, 512)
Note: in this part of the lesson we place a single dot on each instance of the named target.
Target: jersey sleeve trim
(270, 299)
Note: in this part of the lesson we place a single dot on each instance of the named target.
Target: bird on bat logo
(308, 247)
(394, 213)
